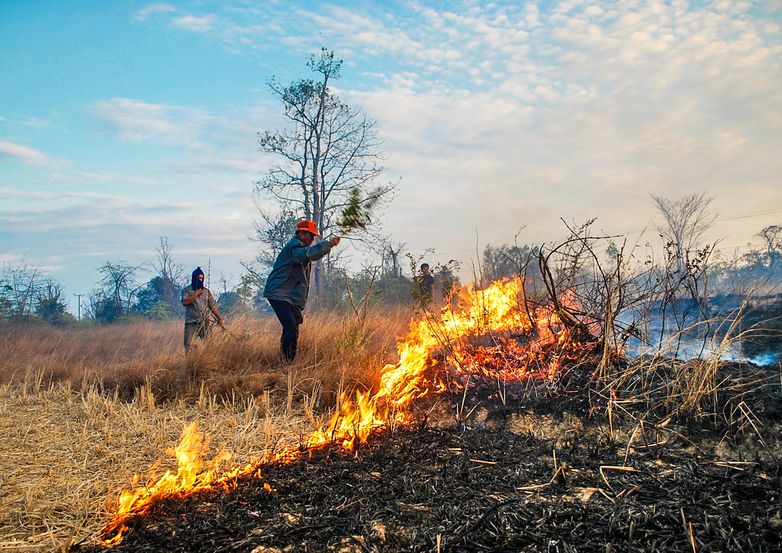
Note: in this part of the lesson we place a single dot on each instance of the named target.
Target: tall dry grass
(336, 351)
(83, 411)
(68, 453)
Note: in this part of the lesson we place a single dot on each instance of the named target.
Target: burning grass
(495, 361)
(66, 453)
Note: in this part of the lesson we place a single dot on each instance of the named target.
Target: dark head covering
(196, 283)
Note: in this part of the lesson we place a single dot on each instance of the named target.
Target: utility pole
(79, 309)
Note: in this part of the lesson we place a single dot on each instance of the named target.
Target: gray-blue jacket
(290, 277)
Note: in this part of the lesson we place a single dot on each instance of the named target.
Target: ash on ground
(481, 474)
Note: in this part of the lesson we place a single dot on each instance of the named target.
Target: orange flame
(192, 475)
(495, 309)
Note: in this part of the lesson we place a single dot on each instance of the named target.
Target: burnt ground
(515, 479)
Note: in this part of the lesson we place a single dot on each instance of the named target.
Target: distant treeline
(125, 292)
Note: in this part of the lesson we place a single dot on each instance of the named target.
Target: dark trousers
(290, 318)
(193, 330)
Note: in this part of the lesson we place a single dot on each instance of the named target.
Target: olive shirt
(198, 311)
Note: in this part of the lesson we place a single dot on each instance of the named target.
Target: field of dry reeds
(83, 410)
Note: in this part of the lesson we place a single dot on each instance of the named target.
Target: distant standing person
(198, 302)
(426, 282)
(289, 282)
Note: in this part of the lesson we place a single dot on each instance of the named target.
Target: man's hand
(335, 241)
(216, 313)
(192, 297)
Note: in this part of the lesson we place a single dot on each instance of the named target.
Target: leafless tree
(166, 267)
(21, 285)
(171, 276)
(331, 154)
(49, 303)
(391, 257)
(772, 240)
(117, 288)
(686, 222)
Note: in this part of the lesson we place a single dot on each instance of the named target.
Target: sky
(123, 122)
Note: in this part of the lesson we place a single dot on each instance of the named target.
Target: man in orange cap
(289, 281)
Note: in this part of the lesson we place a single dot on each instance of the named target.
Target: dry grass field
(84, 410)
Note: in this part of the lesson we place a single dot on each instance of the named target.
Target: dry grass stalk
(148, 357)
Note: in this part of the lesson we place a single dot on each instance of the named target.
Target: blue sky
(124, 121)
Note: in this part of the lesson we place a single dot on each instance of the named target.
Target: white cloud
(150, 9)
(193, 23)
(595, 110)
(197, 143)
(13, 194)
(21, 154)
(136, 121)
(566, 108)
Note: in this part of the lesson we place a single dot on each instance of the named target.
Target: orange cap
(309, 226)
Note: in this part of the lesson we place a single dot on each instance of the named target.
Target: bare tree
(772, 240)
(391, 257)
(49, 302)
(26, 290)
(21, 285)
(170, 277)
(686, 222)
(117, 288)
(331, 150)
(166, 267)
(331, 154)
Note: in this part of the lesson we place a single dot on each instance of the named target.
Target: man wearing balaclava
(198, 302)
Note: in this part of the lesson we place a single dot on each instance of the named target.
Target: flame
(193, 474)
(500, 308)
(497, 308)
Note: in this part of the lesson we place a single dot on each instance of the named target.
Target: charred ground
(544, 474)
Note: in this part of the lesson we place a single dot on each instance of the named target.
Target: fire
(498, 312)
(493, 310)
(193, 474)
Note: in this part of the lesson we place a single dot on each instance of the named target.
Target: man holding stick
(288, 284)
(198, 302)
